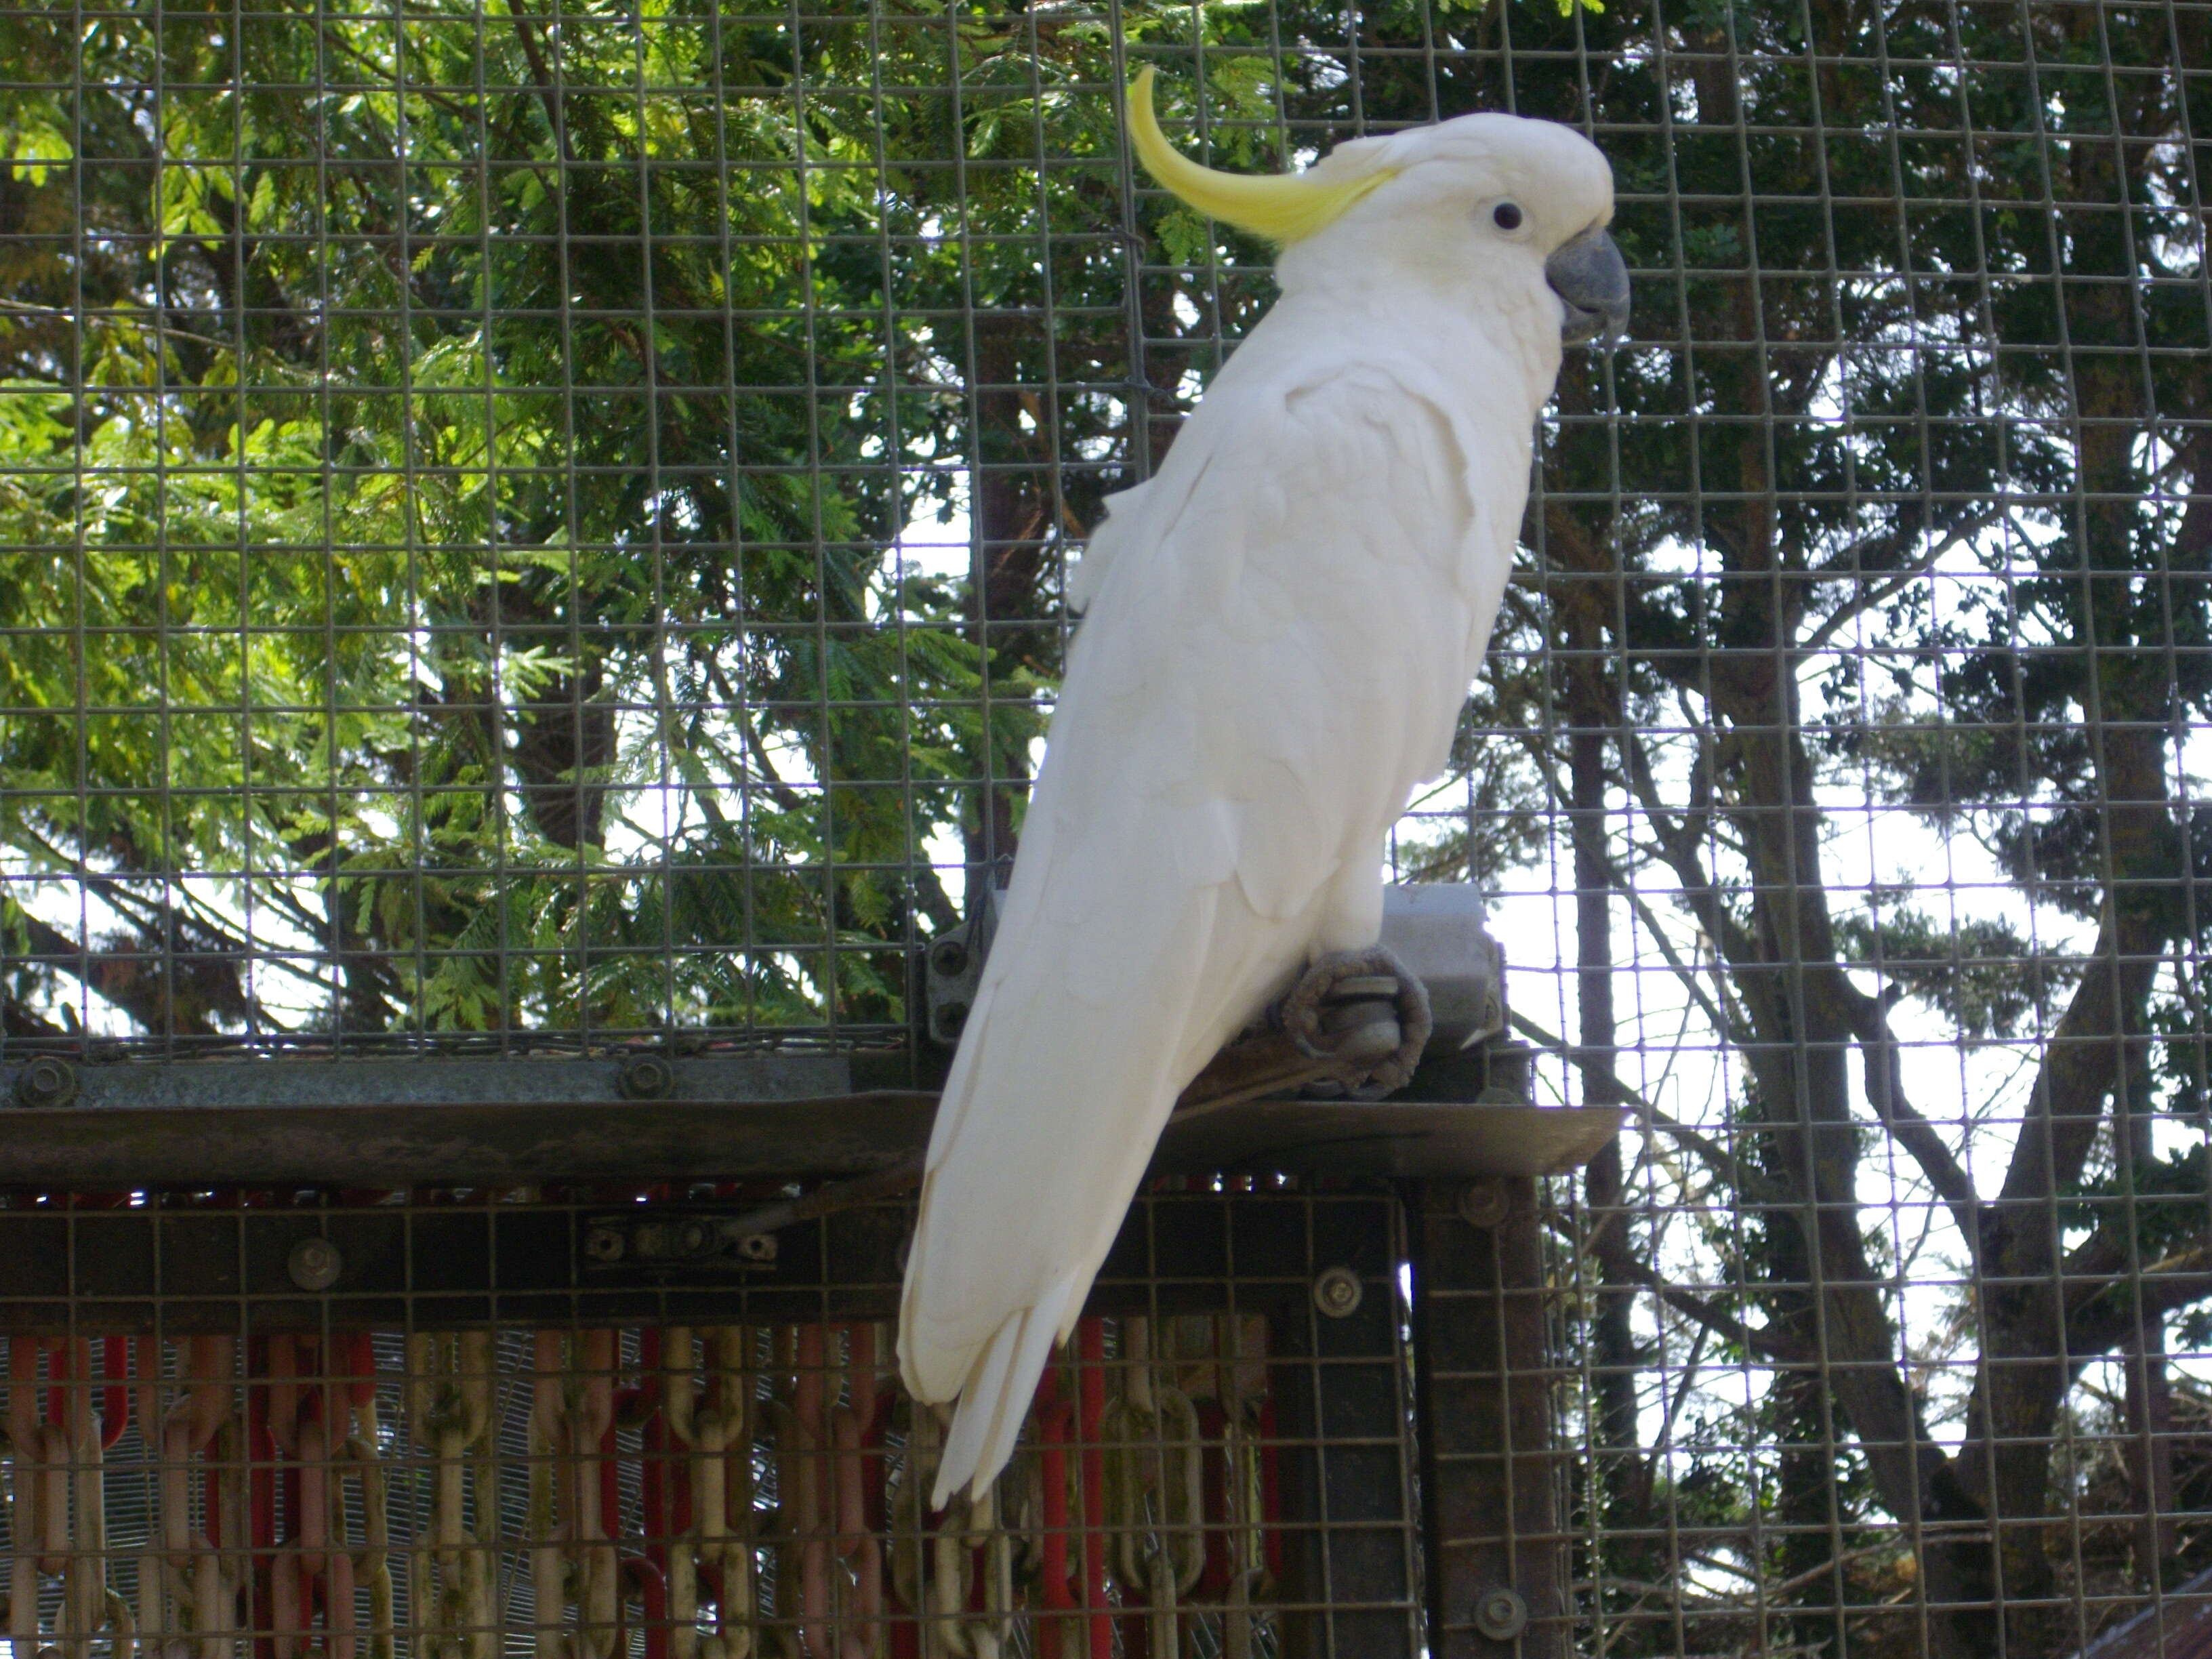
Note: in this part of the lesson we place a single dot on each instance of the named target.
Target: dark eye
(1506, 217)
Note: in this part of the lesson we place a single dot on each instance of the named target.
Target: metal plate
(403, 1142)
(1411, 1137)
(344, 1080)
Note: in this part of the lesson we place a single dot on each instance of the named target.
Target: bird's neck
(1464, 346)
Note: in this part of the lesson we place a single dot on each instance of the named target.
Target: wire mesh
(544, 526)
(489, 1436)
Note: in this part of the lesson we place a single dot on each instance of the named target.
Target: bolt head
(950, 1018)
(1483, 1202)
(314, 1264)
(949, 957)
(1500, 1613)
(1337, 1292)
(646, 1076)
(604, 1245)
(45, 1081)
(757, 1247)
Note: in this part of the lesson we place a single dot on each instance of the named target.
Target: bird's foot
(1365, 1014)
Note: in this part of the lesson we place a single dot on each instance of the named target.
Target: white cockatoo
(1279, 631)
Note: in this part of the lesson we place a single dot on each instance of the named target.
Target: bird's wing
(1125, 512)
(1275, 656)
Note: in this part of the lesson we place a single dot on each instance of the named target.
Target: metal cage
(468, 1424)
(531, 554)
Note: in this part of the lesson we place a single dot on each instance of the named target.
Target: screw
(757, 1247)
(604, 1245)
(1337, 1292)
(950, 1018)
(45, 1082)
(646, 1076)
(1500, 1613)
(1483, 1202)
(314, 1264)
(949, 957)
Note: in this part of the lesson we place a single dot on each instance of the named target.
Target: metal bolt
(1500, 1613)
(1483, 1202)
(646, 1076)
(949, 957)
(1337, 1292)
(757, 1247)
(45, 1082)
(314, 1264)
(604, 1245)
(950, 1018)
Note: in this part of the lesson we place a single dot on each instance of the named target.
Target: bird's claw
(1363, 1014)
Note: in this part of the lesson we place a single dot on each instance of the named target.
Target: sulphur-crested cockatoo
(1280, 629)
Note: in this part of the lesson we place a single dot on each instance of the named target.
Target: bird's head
(1481, 201)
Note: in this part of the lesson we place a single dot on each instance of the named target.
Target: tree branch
(164, 996)
(549, 91)
(1678, 847)
(2111, 1307)
(1721, 1322)
(1724, 1163)
(2081, 1063)
(1850, 563)
(2085, 1058)
(1884, 1092)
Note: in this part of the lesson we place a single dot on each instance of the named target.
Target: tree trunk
(1623, 1478)
(1010, 521)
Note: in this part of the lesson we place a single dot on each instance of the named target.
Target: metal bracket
(663, 1236)
(952, 970)
(1434, 928)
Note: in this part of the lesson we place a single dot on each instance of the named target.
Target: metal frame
(475, 620)
(249, 1314)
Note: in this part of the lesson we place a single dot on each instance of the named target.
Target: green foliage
(522, 521)
(471, 586)
(1981, 975)
(520, 524)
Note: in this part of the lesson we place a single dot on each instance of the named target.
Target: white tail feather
(995, 1399)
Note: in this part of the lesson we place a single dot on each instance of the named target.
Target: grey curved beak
(1589, 275)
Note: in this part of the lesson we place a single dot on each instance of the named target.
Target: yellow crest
(1281, 207)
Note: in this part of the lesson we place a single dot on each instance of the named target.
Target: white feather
(1280, 629)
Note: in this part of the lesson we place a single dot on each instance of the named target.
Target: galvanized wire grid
(466, 1427)
(529, 526)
